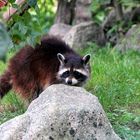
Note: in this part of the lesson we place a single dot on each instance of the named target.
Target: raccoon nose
(69, 82)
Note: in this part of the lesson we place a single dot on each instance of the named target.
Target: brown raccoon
(52, 61)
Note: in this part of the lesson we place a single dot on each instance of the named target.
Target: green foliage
(20, 31)
(5, 116)
(11, 103)
(98, 12)
(102, 8)
(126, 124)
(130, 3)
(28, 28)
(32, 3)
(5, 41)
(11, 1)
(120, 73)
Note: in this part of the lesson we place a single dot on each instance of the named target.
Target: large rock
(131, 40)
(84, 32)
(61, 113)
(59, 29)
(79, 35)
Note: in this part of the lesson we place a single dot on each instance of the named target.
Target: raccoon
(52, 61)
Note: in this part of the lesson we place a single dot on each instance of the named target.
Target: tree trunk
(118, 9)
(83, 12)
(65, 11)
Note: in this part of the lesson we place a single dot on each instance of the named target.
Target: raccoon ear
(61, 58)
(86, 58)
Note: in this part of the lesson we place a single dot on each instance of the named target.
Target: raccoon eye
(78, 75)
(65, 74)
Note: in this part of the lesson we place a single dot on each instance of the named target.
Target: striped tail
(5, 83)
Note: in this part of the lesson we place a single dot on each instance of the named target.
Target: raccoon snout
(69, 82)
(72, 81)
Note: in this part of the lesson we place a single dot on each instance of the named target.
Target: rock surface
(79, 35)
(61, 113)
(84, 32)
(59, 29)
(131, 40)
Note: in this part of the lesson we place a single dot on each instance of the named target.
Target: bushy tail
(5, 83)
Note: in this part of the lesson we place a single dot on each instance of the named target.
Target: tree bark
(65, 11)
(83, 12)
(118, 9)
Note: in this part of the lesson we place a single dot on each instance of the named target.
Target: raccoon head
(73, 69)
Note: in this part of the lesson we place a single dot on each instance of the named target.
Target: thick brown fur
(32, 69)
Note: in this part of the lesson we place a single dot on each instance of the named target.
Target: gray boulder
(61, 113)
(79, 35)
(59, 30)
(84, 32)
(131, 40)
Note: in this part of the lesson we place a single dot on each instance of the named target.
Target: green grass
(115, 80)
(11, 103)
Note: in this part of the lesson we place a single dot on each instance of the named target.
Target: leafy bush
(28, 28)
(5, 41)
